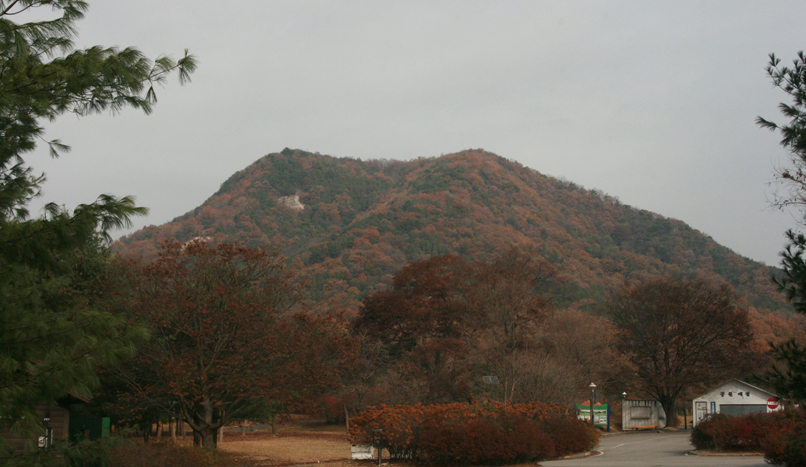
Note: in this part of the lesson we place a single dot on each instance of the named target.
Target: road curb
(581, 455)
(724, 454)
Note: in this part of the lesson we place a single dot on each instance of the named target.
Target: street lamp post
(623, 408)
(593, 387)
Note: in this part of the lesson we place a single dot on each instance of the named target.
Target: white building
(735, 398)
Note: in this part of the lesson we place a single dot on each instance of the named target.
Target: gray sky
(651, 102)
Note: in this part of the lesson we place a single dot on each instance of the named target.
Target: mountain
(349, 224)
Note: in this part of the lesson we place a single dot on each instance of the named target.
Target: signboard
(772, 403)
(599, 414)
(700, 411)
(362, 451)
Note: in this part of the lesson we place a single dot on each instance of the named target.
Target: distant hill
(350, 224)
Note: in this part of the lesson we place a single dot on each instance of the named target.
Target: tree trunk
(221, 435)
(346, 416)
(172, 423)
(209, 434)
(668, 404)
(209, 438)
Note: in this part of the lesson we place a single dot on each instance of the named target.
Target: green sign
(599, 414)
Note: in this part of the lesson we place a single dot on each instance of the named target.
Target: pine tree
(51, 339)
(788, 374)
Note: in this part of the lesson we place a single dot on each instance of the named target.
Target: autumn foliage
(446, 318)
(461, 434)
(224, 339)
(781, 436)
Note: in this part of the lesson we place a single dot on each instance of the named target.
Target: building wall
(732, 398)
(59, 423)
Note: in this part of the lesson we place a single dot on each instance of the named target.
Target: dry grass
(300, 442)
(290, 448)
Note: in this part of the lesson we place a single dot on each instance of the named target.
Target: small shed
(642, 415)
(734, 398)
(56, 421)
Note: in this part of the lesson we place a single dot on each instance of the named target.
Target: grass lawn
(299, 442)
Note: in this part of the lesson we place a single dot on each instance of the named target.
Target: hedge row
(781, 436)
(473, 433)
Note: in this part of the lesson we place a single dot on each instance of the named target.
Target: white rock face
(292, 202)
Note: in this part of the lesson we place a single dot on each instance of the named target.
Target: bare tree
(543, 378)
(509, 299)
(585, 346)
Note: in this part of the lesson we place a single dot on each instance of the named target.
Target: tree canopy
(679, 333)
(223, 340)
(445, 319)
(51, 338)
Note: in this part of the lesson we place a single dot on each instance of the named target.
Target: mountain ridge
(359, 221)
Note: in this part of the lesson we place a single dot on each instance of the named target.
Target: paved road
(652, 450)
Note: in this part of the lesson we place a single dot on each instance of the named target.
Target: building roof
(755, 388)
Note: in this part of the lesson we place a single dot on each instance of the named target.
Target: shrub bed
(473, 433)
(788, 446)
(745, 433)
(781, 436)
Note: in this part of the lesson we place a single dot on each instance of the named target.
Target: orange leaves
(474, 433)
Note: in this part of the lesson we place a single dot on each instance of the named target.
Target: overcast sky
(651, 102)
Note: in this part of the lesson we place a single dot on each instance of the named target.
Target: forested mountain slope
(349, 224)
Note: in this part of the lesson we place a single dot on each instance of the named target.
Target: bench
(645, 427)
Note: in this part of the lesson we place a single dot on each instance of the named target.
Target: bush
(788, 446)
(476, 434)
(745, 433)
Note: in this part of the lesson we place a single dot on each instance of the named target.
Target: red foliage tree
(222, 338)
(444, 315)
(421, 322)
(424, 303)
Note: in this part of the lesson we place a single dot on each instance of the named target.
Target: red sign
(772, 403)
